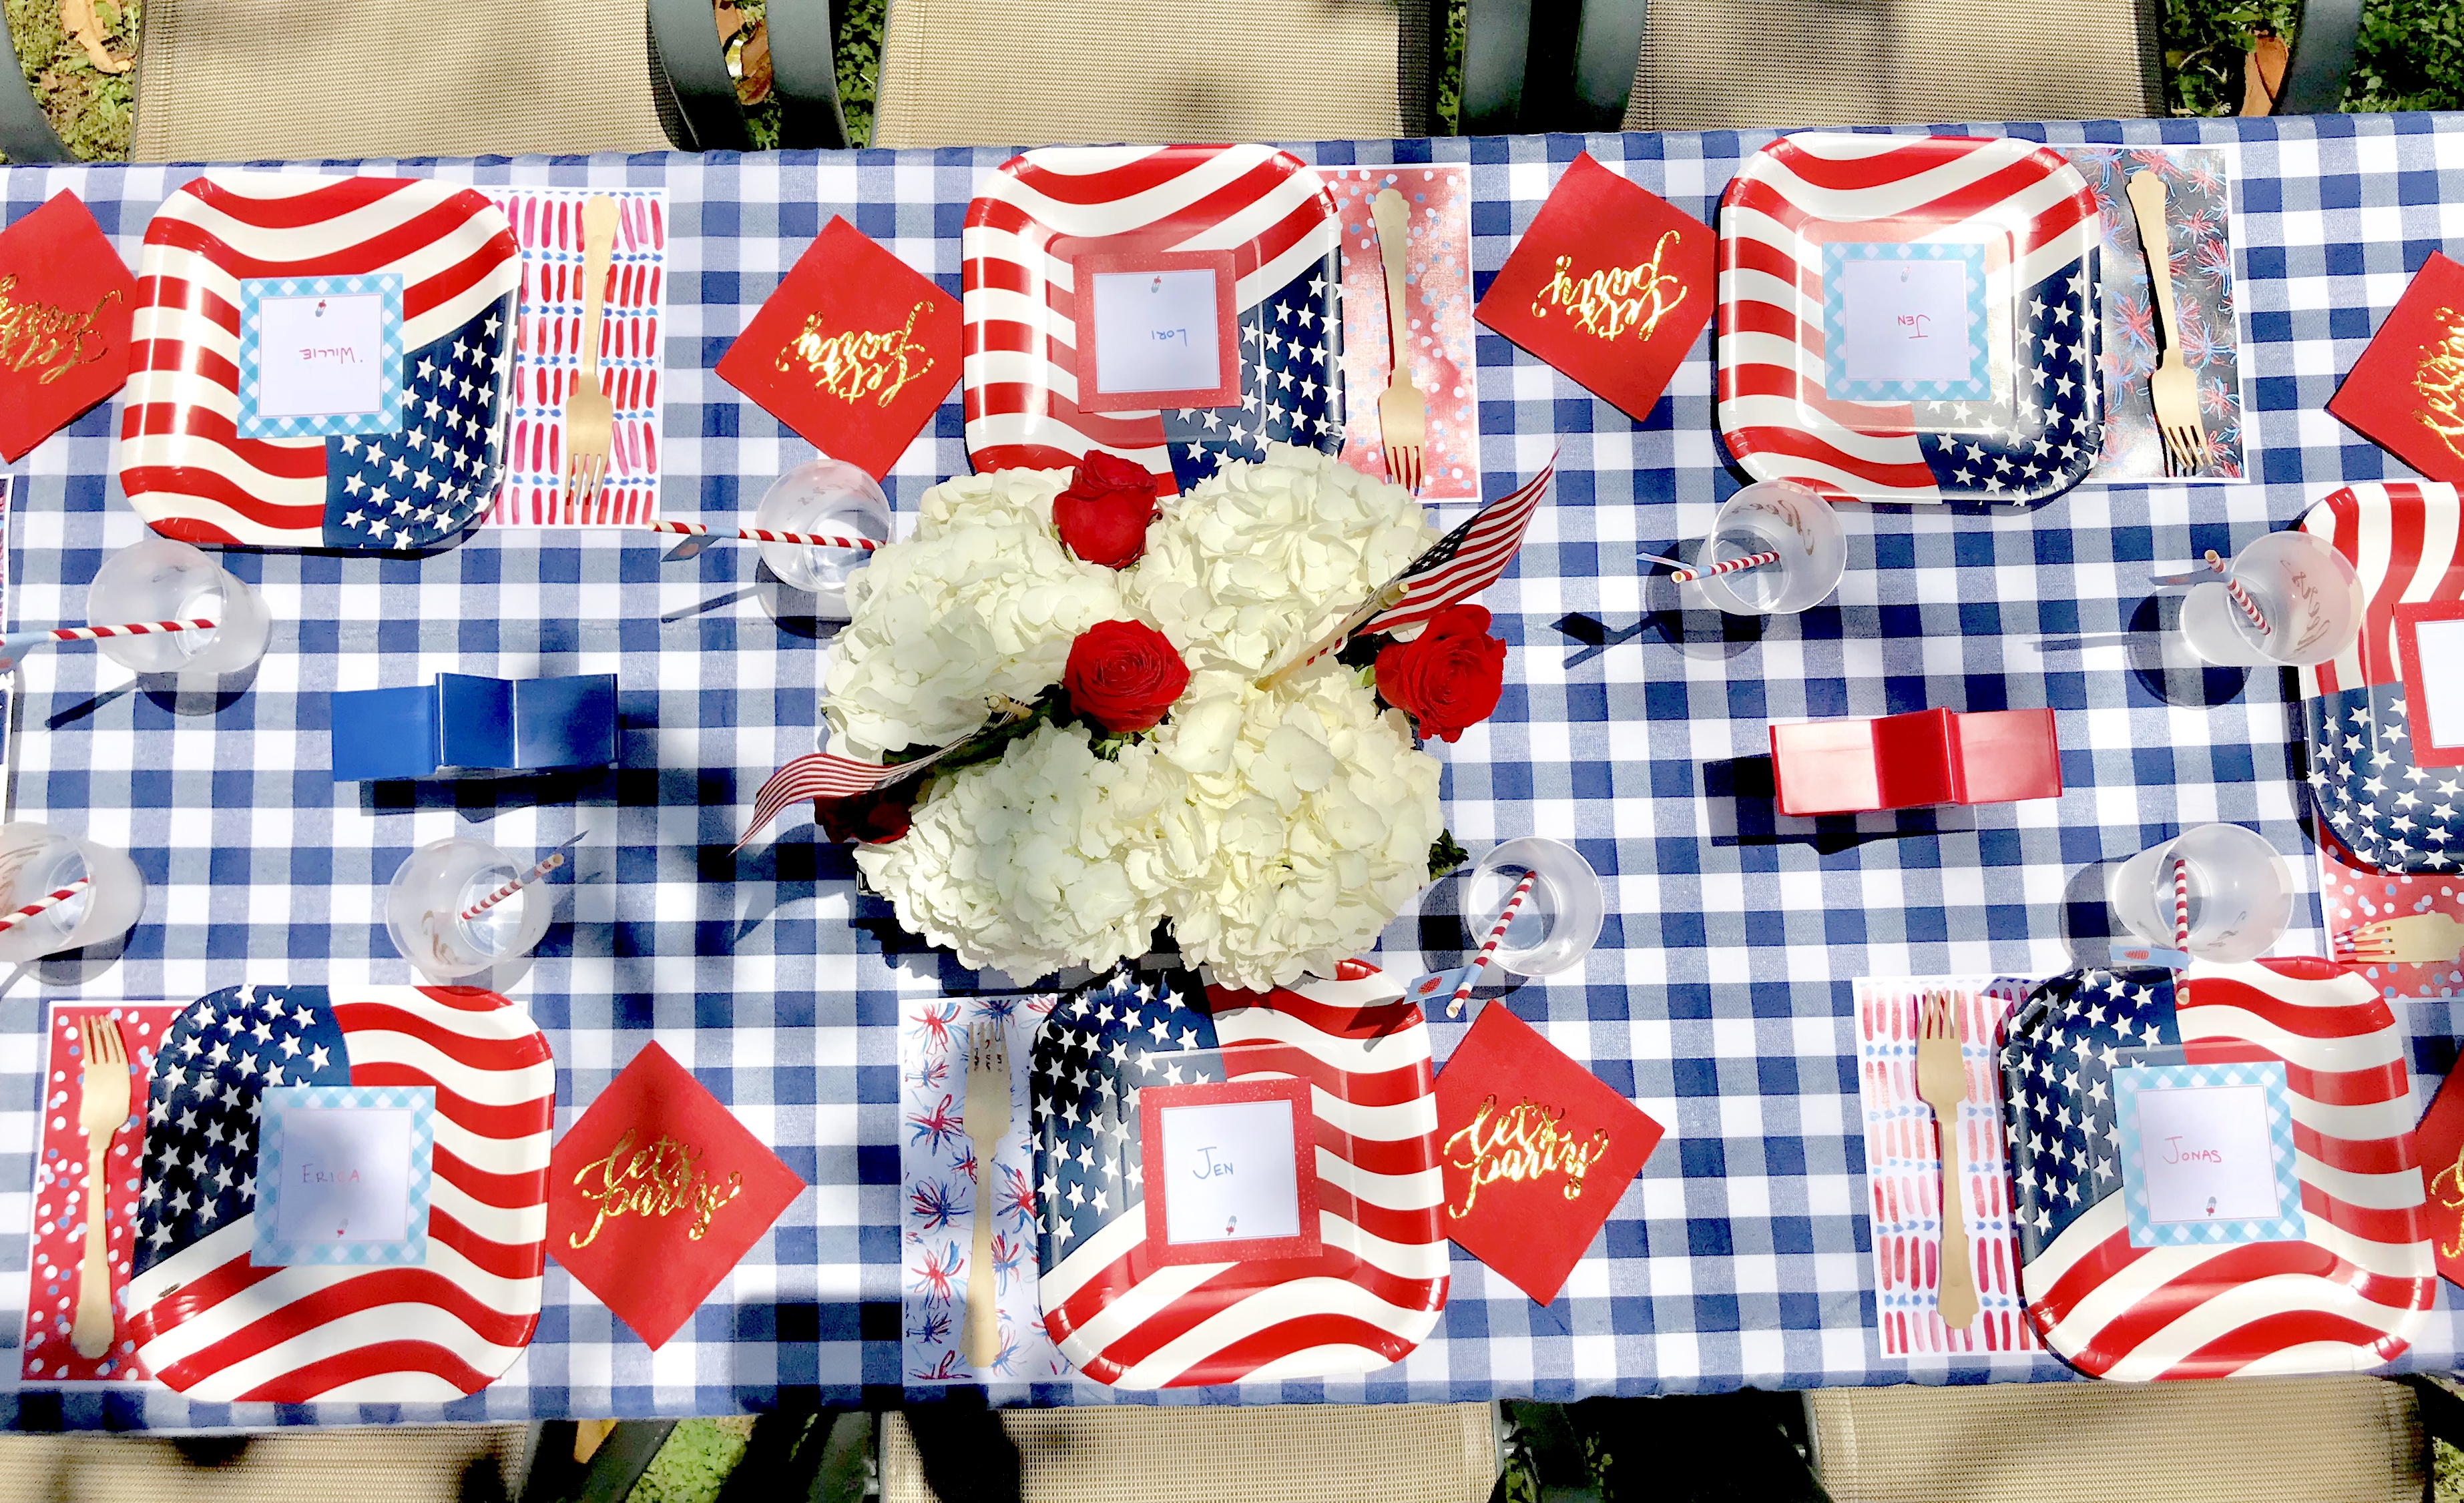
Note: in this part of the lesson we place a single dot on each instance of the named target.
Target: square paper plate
(2019, 423)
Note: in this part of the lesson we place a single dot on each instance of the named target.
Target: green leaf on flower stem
(1445, 855)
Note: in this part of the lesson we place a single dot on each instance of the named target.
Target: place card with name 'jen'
(2207, 1153)
(342, 1175)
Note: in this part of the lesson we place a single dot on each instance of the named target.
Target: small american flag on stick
(1466, 560)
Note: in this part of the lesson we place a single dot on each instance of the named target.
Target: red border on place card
(1086, 266)
(2407, 647)
(1155, 1099)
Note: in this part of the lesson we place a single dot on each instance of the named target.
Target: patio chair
(244, 80)
(2355, 1439)
(1595, 65)
(997, 73)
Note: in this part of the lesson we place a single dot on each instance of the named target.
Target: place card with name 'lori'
(656, 1192)
(2207, 1153)
(1535, 1150)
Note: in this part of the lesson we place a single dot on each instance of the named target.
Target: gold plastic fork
(102, 1106)
(987, 1123)
(1402, 412)
(2173, 389)
(589, 416)
(1942, 1079)
(2418, 939)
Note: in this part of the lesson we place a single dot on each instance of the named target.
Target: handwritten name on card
(2206, 1155)
(1907, 320)
(345, 1175)
(1231, 1172)
(1155, 330)
(321, 355)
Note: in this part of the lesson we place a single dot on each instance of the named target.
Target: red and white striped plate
(1041, 212)
(2034, 219)
(2351, 1294)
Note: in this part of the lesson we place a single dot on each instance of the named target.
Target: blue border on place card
(2129, 1082)
(386, 419)
(269, 1251)
(1836, 256)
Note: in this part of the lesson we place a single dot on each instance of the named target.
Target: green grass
(91, 109)
(2410, 55)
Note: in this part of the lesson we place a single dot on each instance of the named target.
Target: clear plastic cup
(827, 495)
(441, 881)
(36, 860)
(1773, 517)
(2309, 593)
(2241, 894)
(157, 580)
(1558, 922)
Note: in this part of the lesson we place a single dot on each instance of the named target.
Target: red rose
(1102, 515)
(1124, 675)
(1449, 676)
(875, 819)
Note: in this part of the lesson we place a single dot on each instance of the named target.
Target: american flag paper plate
(2019, 423)
(213, 1325)
(227, 237)
(1040, 212)
(2383, 792)
(2349, 1294)
(1362, 1277)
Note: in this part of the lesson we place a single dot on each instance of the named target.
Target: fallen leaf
(753, 85)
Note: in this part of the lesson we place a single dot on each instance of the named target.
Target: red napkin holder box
(1932, 756)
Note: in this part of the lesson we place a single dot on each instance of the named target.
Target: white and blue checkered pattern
(2145, 1232)
(386, 417)
(1718, 998)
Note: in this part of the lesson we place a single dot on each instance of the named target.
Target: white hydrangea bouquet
(1145, 762)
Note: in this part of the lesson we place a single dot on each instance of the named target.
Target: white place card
(342, 1175)
(1155, 330)
(1904, 322)
(1231, 1171)
(2207, 1153)
(321, 357)
(2438, 694)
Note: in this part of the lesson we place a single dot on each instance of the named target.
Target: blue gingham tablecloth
(1718, 998)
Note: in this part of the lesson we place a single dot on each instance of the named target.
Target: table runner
(1719, 997)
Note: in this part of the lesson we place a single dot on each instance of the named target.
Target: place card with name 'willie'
(656, 1192)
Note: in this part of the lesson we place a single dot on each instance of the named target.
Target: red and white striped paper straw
(2182, 905)
(763, 534)
(2240, 597)
(1489, 947)
(1732, 566)
(554, 861)
(123, 629)
(47, 901)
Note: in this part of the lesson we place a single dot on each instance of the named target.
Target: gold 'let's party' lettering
(1612, 300)
(657, 1181)
(876, 363)
(1528, 1143)
(2449, 1186)
(2439, 382)
(50, 337)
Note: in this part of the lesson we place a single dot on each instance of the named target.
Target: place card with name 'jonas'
(2207, 1153)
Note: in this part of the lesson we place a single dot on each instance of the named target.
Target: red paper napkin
(65, 302)
(854, 351)
(1610, 285)
(1536, 1150)
(656, 1192)
(2406, 393)
(2438, 1144)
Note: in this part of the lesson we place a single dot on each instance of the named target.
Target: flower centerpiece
(1145, 762)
